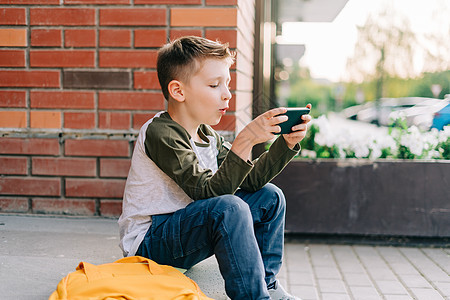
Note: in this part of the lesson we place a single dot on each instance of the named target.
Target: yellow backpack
(127, 278)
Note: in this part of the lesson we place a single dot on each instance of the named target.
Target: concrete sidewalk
(37, 251)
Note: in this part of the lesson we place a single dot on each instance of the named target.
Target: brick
(101, 188)
(13, 99)
(171, 2)
(62, 58)
(119, 148)
(115, 38)
(133, 17)
(232, 104)
(74, 207)
(12, 58)
(149, 37)
(227, 123)
(13, 16)
(29, 146)
(64, 166)
(131, 101)
(114, 120)
(79, 120)
(29, 78)
(13, 205)
(96, 80)
(63, 99)
(218, 17)
(128, 59)
(147, 80)
(108, 2)
(13, 119)
(62, 16)
(45, 119)
(46, 37)
(110, 208)
(30, 186)
(80, 38)
(31, 2)
(13, 165)
(139, 119)
(233, 82)
(177, 33)
(13, 37)
(110, 167)
(221, 2)
(223, 35)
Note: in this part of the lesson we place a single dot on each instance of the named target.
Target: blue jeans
(245, 231)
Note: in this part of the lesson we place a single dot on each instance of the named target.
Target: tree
(422, 86)
(304, 90)
(436, 44)
(384, 49)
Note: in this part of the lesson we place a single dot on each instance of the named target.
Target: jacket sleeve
(168, 146)
(269, 164)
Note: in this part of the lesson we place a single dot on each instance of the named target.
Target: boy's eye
(213, 85)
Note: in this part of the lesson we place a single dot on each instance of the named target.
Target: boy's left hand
(299, 131)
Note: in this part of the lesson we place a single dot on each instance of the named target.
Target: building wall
(78, 79)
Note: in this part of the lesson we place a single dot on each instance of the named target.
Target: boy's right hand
(263, 127)
(260, 130)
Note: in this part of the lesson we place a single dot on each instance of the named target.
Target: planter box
(383, 197)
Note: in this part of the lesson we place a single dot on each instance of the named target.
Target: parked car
(421, 114)
(369, 113)
(441, 118)
(352, 111)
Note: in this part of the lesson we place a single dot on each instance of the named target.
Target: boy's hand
(263, 127)
(260, 130)
(299, 131)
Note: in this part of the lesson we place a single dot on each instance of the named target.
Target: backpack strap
(153, 267)
(92, 271)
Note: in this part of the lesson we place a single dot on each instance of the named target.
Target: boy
(190, 195)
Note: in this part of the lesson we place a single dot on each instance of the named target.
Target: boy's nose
(226, 95)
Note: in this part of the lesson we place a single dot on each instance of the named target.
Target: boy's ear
(175, 88)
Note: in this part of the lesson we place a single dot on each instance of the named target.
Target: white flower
(444, 134)
(325, 136)
(361, 151)
(308, 153)
(346, 140)
(446, 130)
(376, 153)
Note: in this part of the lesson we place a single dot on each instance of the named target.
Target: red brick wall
(78, 79)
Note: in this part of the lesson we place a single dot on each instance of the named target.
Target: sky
(328, 45)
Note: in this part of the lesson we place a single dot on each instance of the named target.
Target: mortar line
(347, 287)
(286, 266)
(423, 275)
(372, 280)
(408, 290)
(314, 277)
(430, 258)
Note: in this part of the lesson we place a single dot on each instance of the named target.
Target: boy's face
(207, 94)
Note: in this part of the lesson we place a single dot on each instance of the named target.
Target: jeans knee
(230, 207)
(277, 195)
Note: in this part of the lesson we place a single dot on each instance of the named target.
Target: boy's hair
(180, 58)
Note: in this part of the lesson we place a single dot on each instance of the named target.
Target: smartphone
(295, 117)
